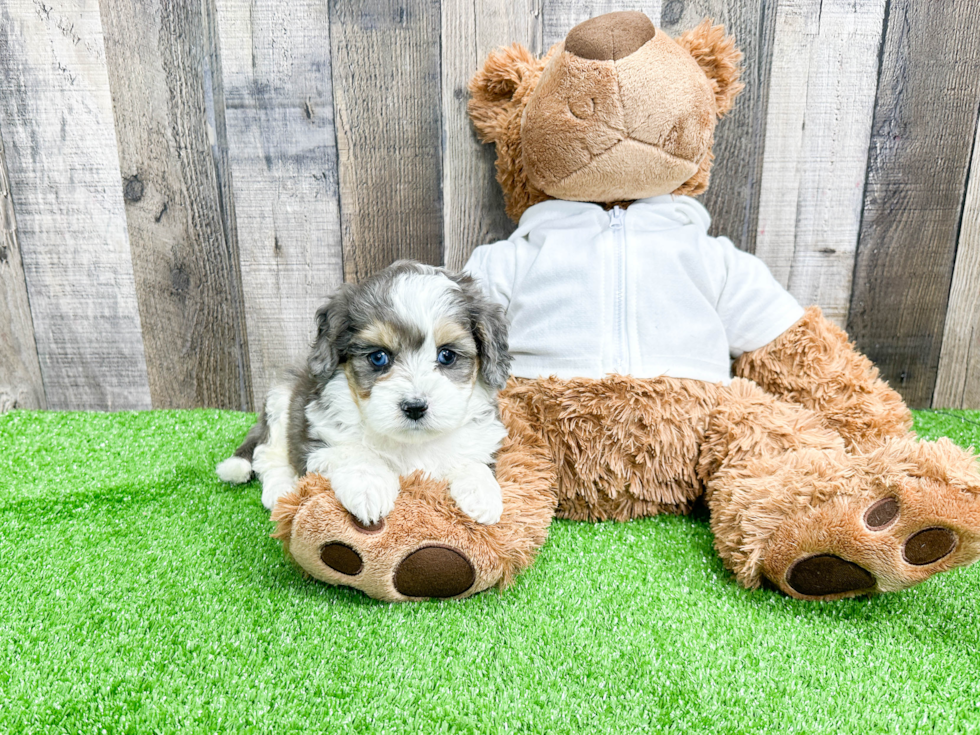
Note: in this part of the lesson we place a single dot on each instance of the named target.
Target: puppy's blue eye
(446, 357)
(378, 359)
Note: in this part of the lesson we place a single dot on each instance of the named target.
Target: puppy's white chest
(336, 421)
(471, 443)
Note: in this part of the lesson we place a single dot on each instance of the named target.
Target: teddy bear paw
(432, 570)
(905, 529)
(424, 548)
(380, 559)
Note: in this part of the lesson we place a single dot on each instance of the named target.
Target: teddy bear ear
(718, 58)
(495, 85)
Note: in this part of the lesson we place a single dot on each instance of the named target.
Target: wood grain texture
(185, 264)
(20, 372)
(821, 104)
(924, 123)
(733, 196)
(56, 117)
(473, 203)
(282, 147)
(387, 87)
(958, 379)
(560, 16)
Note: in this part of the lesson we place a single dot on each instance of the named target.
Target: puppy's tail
(237, 469)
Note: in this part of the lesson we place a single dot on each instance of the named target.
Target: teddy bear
(655, 367)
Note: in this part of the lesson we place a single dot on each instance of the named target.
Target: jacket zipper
(617, 219)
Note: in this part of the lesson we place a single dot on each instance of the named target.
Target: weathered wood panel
(560, 16)
(473, 204)
(958, 380)
(56, 117)
(736, 175)
(925, 117)
(186, 265)
(20, 373)
(387, 86)
(282, 147)
(819, 124)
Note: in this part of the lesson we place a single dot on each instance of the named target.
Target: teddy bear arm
(813, 364)
(426, 546)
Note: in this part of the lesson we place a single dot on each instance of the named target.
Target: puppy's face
(415, 343)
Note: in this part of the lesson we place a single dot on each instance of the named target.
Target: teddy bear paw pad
(929, 546)
(376, 527)
(826, 574)
(922, 547)
(855, 546)
(434, 571)
(881, 514)
(342, 558)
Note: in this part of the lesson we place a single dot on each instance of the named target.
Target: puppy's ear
(489, 327)
(332, 325)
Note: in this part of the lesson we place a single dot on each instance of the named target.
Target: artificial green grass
(140, 594)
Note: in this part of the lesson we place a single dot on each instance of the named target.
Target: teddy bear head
(618, 111)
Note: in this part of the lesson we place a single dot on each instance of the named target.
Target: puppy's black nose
(414, 409)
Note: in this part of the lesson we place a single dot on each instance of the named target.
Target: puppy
(402, 376)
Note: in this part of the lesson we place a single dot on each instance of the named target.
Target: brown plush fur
(624, 448)
(780, 484)
(773, 473)
(806, 462)
(597, 130)
(498, 96)
(813, 364)
(774, 511)
(720, 60)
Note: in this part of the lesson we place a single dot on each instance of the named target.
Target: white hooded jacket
(642, 291)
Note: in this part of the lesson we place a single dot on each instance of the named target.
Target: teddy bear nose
(610, 37)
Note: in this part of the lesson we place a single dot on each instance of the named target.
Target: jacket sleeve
(753, 306)
(493, 266)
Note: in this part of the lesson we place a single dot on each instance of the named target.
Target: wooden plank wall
(20, 373)
(63, 169)
(283, 154)
(922, 139)
(182, 235)
(182, 182)
(958, 383)
(821, 100)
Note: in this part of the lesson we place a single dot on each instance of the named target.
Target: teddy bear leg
(623, 447)
(814, 365)
(791, 505)
(426, 547)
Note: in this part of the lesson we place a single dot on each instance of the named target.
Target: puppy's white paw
(367, 492)
(478, 495)
(269, 497)
(276, 482)
(236, 470)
